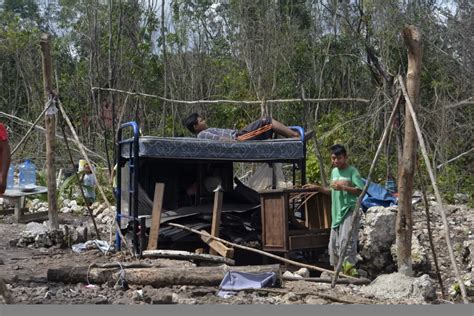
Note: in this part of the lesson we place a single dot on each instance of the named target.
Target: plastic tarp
(235, 281)
(377, 195)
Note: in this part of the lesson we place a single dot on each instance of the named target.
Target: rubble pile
(37, 235)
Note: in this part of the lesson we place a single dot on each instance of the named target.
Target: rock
(43, 240)
(461, 198)
(82, 233)
(34, 228)
(289, 297)
(106, 220)
(66, 202)
(288, 274)
(376, 238)
(315, 301)
(95, 205)
(65, 210)
(42, 209)
(77, 208)
(303, 272)
(326, 275)
(398, 286)
(72, 204)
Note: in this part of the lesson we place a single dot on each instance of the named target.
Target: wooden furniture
(17, 197)
(278, 208)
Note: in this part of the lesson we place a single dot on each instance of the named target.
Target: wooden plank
(312, 212)
(216, 215)
(308, 241)
(156, 216)
(275, 221)
(219, 247)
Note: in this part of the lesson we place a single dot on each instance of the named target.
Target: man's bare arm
(318, 188)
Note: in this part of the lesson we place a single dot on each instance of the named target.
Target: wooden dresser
(278, 207)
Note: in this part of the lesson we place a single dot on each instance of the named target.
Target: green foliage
(349, 269)
(242, 50)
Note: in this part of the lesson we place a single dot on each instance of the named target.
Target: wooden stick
(355, 214)
(43, 129)
(46, 107)
(436, 191)
(296, 263)
(325, 280)
(80, 146)
(80, 185)
(279, 101)
(455, 158)
(430, 234)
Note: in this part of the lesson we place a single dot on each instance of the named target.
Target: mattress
(284, 149)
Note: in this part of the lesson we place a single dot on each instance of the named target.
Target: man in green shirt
(346, 186)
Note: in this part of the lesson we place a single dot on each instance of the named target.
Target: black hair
(190, 121)
(338, 149)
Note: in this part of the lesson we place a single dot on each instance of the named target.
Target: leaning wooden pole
(404, 220)
(355, 214)
(439, 201)
(50, 124)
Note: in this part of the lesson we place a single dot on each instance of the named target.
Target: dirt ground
(24, 271)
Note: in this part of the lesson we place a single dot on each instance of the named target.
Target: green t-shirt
(342, 201)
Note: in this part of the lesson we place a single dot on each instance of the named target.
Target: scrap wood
(185, 255)
(296, 263)
(219, 247)
(361, 281)
(156, 277)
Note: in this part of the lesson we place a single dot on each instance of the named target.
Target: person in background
(89, 183)
(346, 185)
(5, 158)
(261, 129)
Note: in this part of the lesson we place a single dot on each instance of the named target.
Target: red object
(3, 133)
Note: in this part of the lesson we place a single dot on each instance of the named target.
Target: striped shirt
(217, 134)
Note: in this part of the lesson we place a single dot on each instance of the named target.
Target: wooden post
(156, 216)
(50, 123)
(216, 215)
(404, 221)
(436, 191)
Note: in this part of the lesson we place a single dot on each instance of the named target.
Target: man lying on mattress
(261, 129)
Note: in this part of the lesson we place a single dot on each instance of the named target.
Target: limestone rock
(398, 286)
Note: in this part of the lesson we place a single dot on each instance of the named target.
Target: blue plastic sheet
(235, 281)
(377, 195)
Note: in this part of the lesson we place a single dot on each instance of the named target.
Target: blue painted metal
(133, 184)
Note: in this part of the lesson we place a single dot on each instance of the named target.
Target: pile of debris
(38, 235)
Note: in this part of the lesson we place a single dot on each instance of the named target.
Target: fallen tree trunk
(156, 277)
